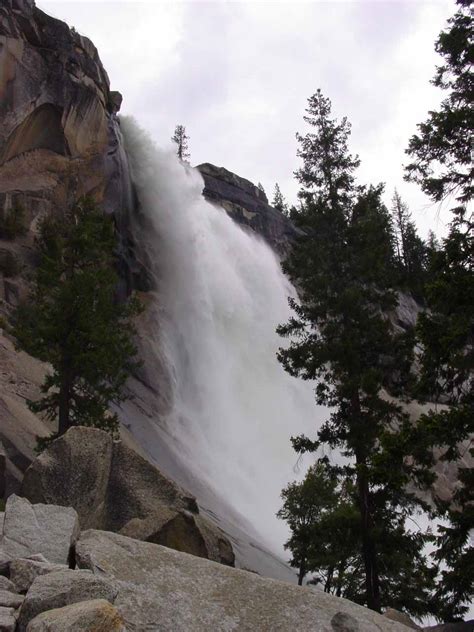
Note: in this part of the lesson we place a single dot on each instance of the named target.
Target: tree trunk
(369, 553)
(328, 583)
(368, 545)
(65, 391)
(302, 571)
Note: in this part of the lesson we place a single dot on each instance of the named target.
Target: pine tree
(304, 506)
(73, 321)
(442, 165)
(279, 201)
(410, 249)
(342, 265)
(181, 139)
(322, 514)
(442, 150)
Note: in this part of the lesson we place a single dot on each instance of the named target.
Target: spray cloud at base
(220, 293)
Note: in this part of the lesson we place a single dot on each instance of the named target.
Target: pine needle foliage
(73, 321)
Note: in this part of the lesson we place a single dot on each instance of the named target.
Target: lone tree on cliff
(181, 139)
(279, 201)
(73, 321)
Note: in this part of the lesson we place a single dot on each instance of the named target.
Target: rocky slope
(60, 579)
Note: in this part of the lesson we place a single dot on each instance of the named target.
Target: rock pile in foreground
(55, 579)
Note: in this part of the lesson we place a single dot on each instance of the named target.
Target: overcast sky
(238, 74)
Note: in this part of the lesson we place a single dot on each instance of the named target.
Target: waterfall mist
(220, 295)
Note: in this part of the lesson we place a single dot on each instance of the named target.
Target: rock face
(46, 529)
(56, 110)
(97, 615)
(113, 488)
(59, 134)
(247, 205)
(182, 592)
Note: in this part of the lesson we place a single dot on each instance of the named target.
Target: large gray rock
(115, 489)
(176, 591)
(402, 617)
(6, 584)
(47, 529)
(60, 589)
(182, 531)
(10, 599)
(7, 619)
(97, 615)
(74, 472)
(24, 571)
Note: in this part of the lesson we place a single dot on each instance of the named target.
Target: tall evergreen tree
(342, 266)
(73, 321)
(441, 152)
(181, 139)
(442, 165)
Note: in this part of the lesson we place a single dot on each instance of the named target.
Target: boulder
(10, 599)
(97, 615)
(24, 571)
(60, 589)
(401, 617)
(6, 584)
(73, 471)
(176, 591)
(7, 619)
(47, 529)
(183, 531)
(115, 489)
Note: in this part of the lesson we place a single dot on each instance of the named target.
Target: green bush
(12, 223)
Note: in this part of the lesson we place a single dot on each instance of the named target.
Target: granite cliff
(247, 205)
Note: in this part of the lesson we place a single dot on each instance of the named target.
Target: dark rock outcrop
(247, 205)
(113, 488)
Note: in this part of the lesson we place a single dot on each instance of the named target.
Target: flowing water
(220, 295)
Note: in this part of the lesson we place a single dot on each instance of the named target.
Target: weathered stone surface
(10, 599)
(24, 571)
(247, 205)
(47, 529)
(7, 619)
(401, 617)
(182, 531)
(60, 589)
(74, 472)
(114, 488)
(176, 591)
(344, 622)
(3, 459)
(97, 615)
(6, 584)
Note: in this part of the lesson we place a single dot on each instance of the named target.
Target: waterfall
(220, 294)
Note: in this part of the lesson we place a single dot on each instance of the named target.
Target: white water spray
(221, 294)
